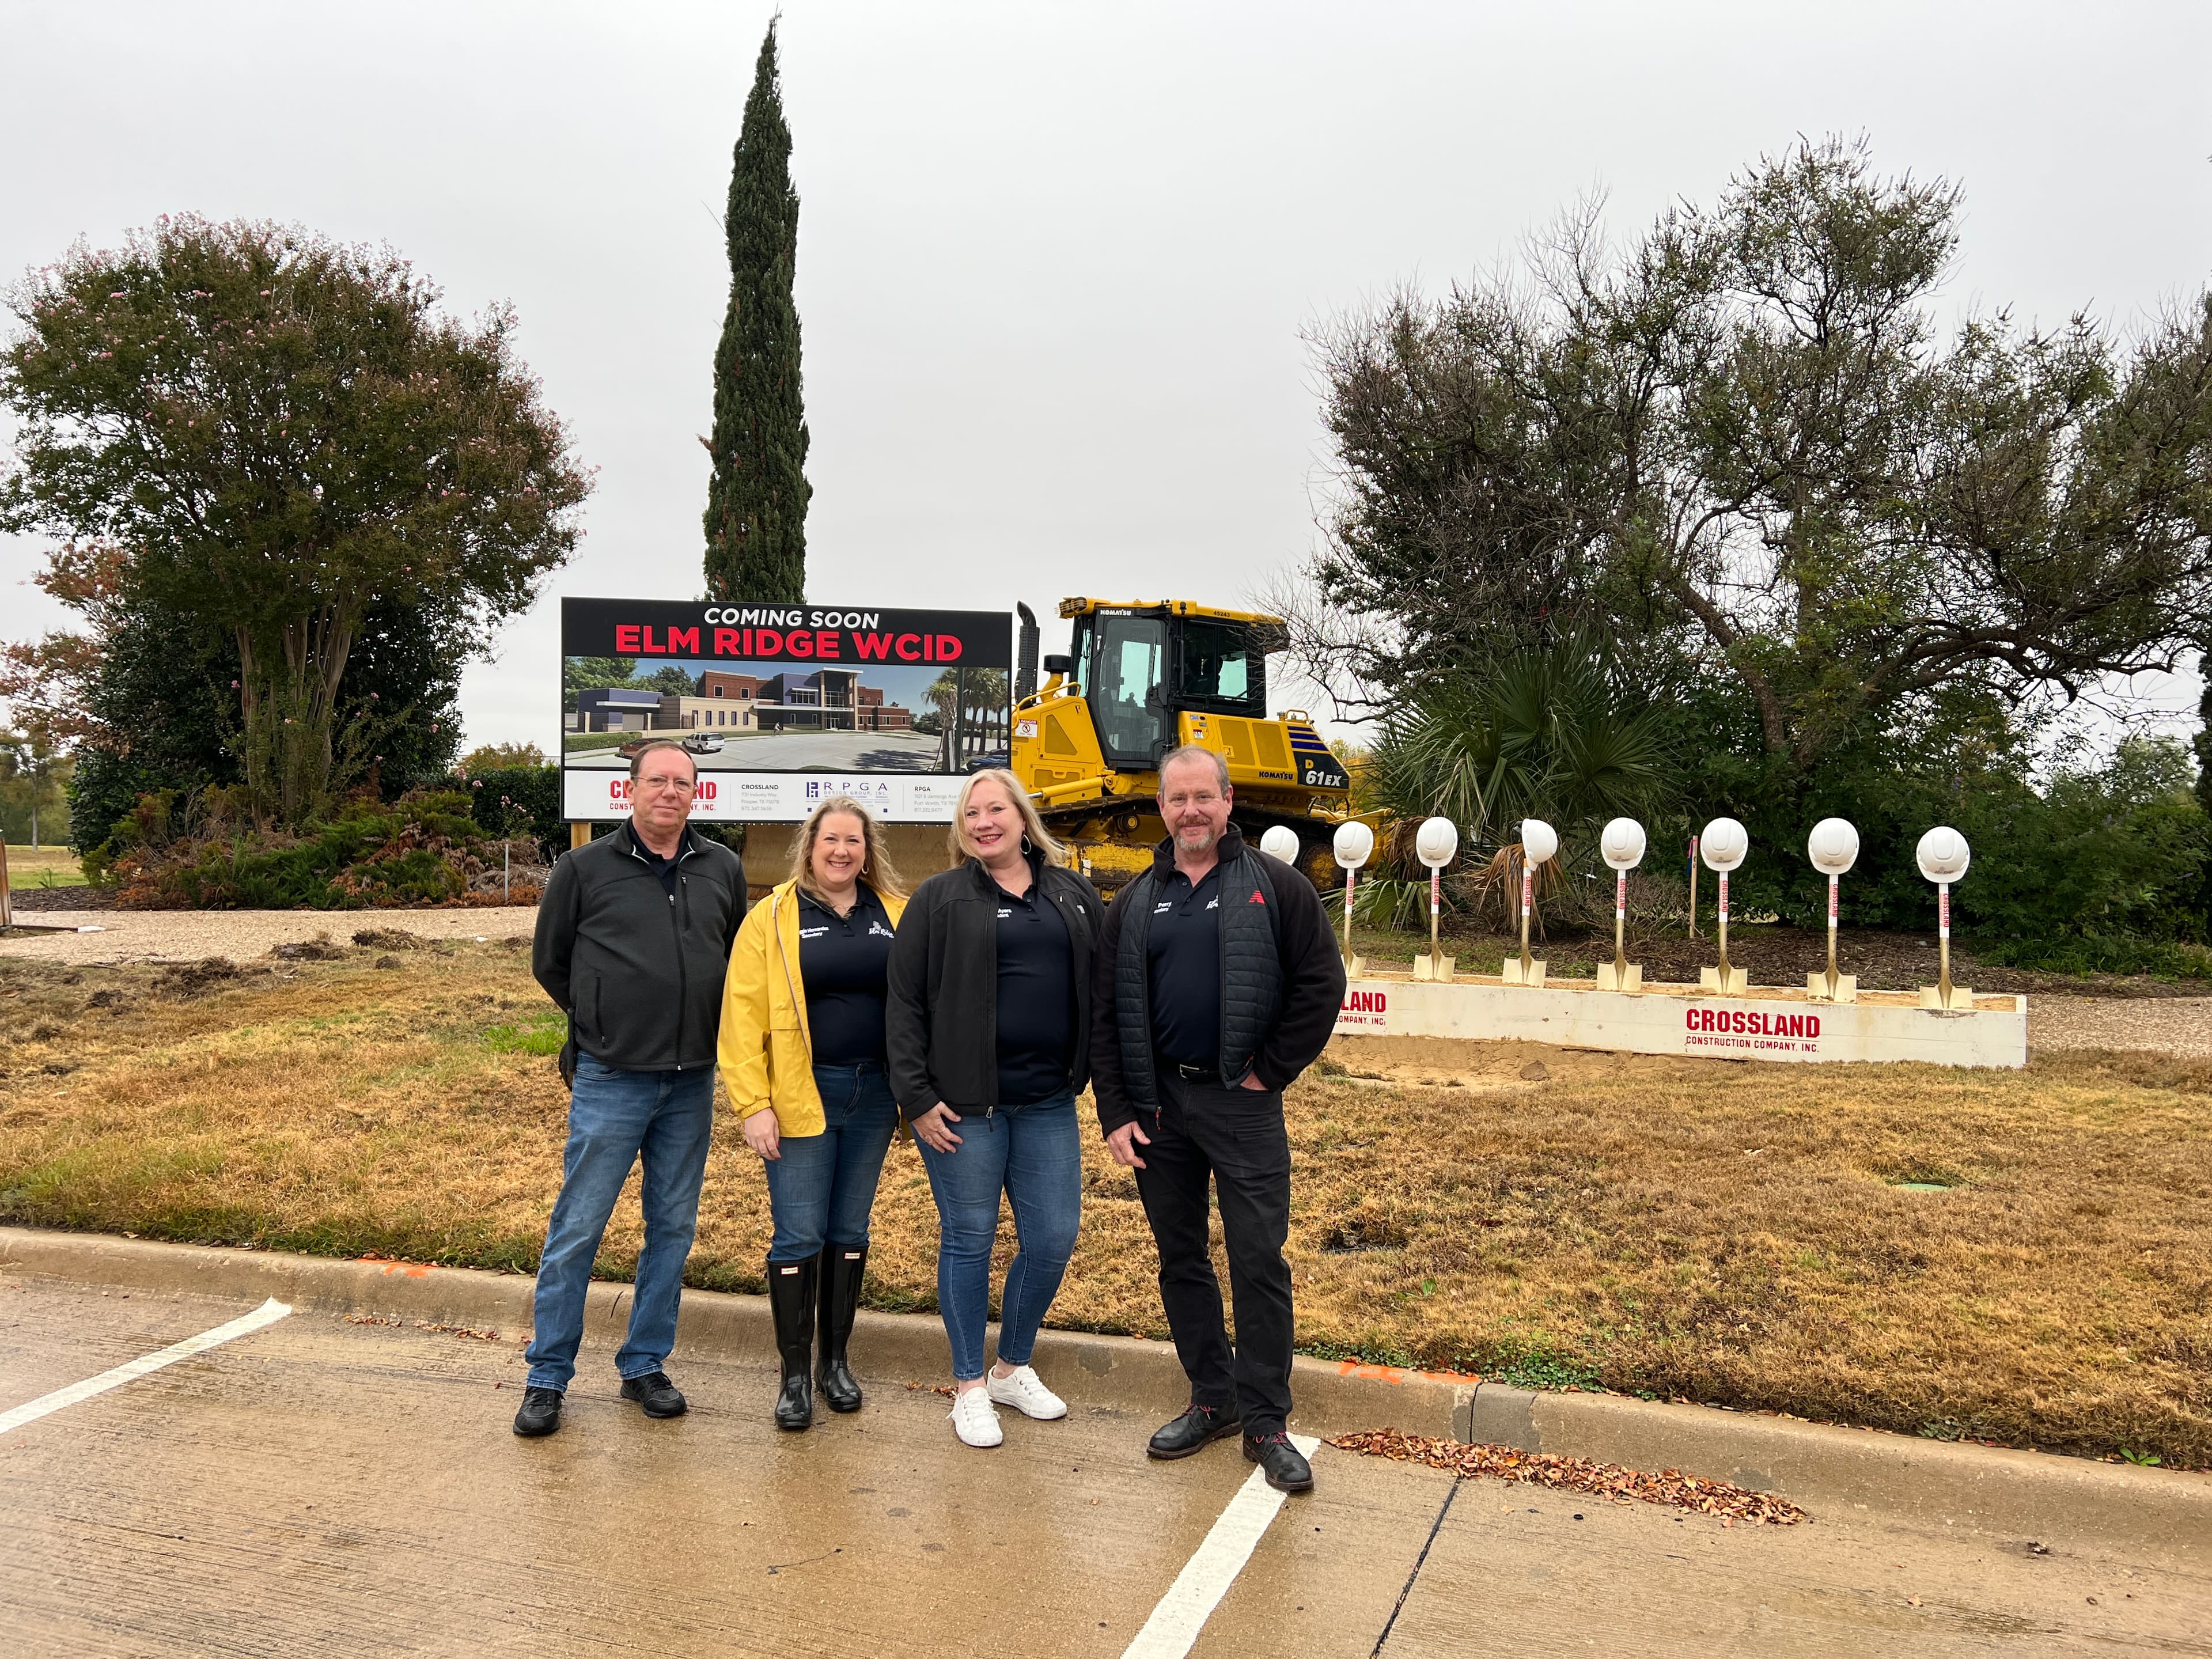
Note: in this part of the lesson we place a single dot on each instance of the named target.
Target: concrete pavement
(327, 1486)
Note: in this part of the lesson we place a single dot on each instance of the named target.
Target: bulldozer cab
(1140, 669)
(1138, 680)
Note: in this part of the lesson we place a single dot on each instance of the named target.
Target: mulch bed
(27, 899)
(1610, 1481)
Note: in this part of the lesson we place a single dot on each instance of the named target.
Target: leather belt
(1192, 1073)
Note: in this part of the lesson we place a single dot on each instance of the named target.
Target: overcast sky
(1054, 260)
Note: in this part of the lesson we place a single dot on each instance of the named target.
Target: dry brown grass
(1720, 1231)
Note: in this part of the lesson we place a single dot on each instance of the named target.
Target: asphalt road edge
(2015, 1498)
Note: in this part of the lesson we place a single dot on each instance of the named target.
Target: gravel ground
(2172, 1025)
(241, 935)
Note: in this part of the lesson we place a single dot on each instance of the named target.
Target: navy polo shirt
(1183, 956)
(843, 961)
(1036, 998)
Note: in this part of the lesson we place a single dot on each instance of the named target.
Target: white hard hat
(1354, 842)
(1538, 841)
(1281, 842)
(1437, 842)
(1942, 853)
(1834, 847)
(1622, 843)
(1723, 844)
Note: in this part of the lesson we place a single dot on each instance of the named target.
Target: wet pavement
(320, 1486)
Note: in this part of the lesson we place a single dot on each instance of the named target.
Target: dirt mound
(197, 979)
(390, 939)
(320, 948)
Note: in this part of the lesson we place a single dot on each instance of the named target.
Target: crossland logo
(1751, 1029)
(1363, 1011)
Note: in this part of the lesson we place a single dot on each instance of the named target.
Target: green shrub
(425, 849)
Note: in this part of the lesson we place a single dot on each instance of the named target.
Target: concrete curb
(2009, 1496)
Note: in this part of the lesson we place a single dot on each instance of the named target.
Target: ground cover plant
(2011, 1256)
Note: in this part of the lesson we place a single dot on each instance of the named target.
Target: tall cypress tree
(756, 500)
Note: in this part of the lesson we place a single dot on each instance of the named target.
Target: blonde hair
(1032, 825)
(876, 868)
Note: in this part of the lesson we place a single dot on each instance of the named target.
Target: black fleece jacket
(941, 1007)
(638, 969)
(1312, 987)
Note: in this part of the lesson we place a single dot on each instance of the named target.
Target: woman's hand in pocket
(762, 1135)
(930, 1128)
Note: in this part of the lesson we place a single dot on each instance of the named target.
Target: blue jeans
(615, 1118)
(820, 1190)
(1035, 1157)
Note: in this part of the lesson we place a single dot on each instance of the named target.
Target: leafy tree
(2204, 727)
(280, 438)
(1739, 448)
(755, 518)
(596, 673)
(672, 681)
(147, 702)
(499, 756)
(33, 779)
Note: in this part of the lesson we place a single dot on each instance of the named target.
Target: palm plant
(1546, 733)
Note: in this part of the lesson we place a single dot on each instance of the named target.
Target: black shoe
(1193, 1429)
(653, 1391)
(841, 1268)
(540, 1413)
(1286, 1467)
(790, 1299)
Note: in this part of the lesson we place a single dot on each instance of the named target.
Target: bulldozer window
(1125, 695)
(1221, 667)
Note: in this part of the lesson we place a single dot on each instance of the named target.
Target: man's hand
(1252, 1081)
(763, 1136)
(1123, 1142)
(929, 1129)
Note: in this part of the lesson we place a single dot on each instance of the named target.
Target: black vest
(1251, 975)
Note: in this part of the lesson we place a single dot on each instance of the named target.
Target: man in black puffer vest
(1217, 983)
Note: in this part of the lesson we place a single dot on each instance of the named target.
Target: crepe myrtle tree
(281, 434)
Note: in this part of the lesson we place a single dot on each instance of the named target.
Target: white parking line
(266, 1314)
(1206, 1576)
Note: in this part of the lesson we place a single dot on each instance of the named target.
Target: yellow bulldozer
(1139, 679)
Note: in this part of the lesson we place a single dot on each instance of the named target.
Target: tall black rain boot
(842, 1266)
(791, 1293)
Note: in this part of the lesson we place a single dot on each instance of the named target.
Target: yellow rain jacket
(767, 1051)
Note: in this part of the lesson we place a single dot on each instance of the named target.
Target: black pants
(1235, 1138)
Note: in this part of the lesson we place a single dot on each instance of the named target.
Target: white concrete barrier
(1760, 1024)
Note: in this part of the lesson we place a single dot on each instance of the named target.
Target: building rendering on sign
(816, 700)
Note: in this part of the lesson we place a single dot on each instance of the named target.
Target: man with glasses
(634, 938)
(1216, 983)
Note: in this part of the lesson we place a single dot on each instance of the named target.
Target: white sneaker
(974, 1420)
(1021, 1389)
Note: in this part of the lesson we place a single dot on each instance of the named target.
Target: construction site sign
(781, 705)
